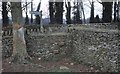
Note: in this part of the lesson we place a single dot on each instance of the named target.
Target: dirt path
(65, 65)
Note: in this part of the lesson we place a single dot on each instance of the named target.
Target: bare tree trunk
(19, 48)
(83, 11)
(92, 13)
(107, 12)
(77, 15)
(31, 10)
(4, 14)
(115, 11)
(38, 18)
(68, 14)
(26, 18)
(51, 12)
(118, 12)
(59, 12)
(78, 19)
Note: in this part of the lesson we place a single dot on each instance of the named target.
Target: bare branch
(65, 3)
(99, 1)
(26, 5)
(87, 5)
(90, 2)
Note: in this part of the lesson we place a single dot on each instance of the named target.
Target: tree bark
(19, 48)
(118, 12)
(77, 16)
(92, 13)
(31, 14)
(26, 18)
(107, 12)
(59, 12)
(51, 12)
(5, 18)
(115, 11)
(68, 14)
(38, 18)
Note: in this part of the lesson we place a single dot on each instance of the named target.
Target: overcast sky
(45, 8)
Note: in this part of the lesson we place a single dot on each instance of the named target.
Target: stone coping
(96, 29)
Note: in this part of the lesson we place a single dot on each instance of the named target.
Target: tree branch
(87, 5)
(90, 2)
(99, 2)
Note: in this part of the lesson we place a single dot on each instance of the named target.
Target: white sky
(45, 8)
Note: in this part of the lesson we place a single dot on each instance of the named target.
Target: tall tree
(107, 12)
(5, 18)
(68, 14)
(59, 12)
(118, 11)
(26, 18)
(56, 11)
(92, 12)
(37, 20)
(115, 11)
(31, 10)
(77, 16)
(19, 48)
(83, 11)
(51, 11)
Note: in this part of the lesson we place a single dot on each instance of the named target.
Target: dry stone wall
(54, 44)
(7, 42)
(97, 48)
(94, 45)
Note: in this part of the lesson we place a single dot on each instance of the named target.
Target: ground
(35, 65)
